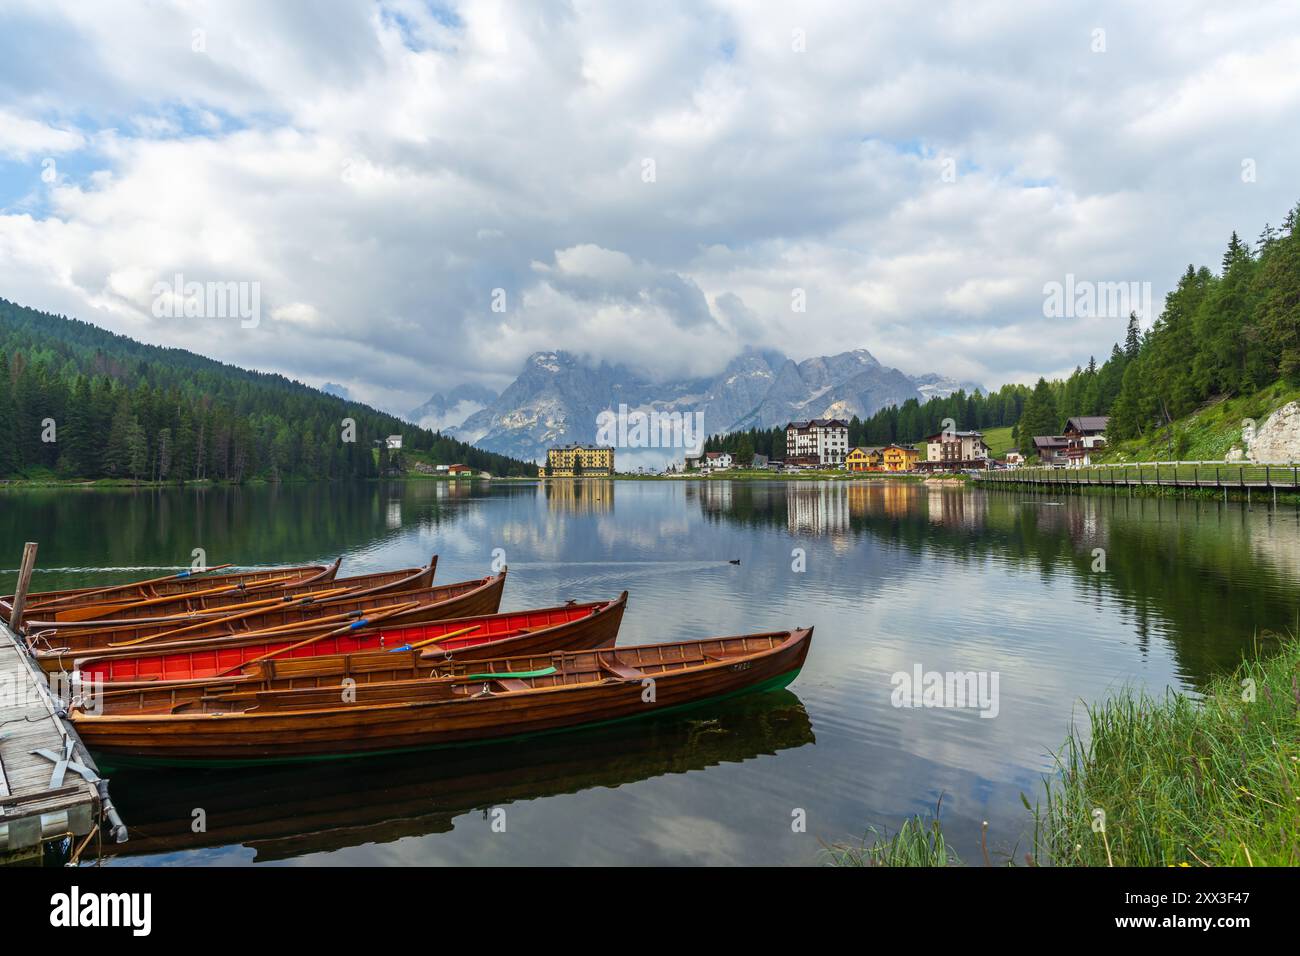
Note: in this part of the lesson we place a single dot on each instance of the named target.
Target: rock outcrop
(1277, 439)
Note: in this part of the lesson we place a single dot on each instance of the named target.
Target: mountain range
(557, 397)
(446, 411)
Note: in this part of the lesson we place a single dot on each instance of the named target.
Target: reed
(1183, 780)
(1179, 780)
(919, 841)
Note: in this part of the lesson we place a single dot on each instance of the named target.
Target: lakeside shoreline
(131, 484)
(1180, 779)
(109, 483)
(962, 480)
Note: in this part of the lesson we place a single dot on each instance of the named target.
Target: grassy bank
(54, 481)
(1212, 781)
(1209, 433)
(103, 483)
(1178, 780)
(999, 441)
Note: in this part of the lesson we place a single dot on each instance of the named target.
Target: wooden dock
(1170, 474)
(50, 787)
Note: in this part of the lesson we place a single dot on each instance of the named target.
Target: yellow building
(579, 461)
(899, 457)
(862, 459)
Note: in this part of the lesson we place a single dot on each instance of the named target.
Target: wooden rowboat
(382, 653)
(460, 703)
(172, 584)
(278, 814)
(206, 605)
(56, 651)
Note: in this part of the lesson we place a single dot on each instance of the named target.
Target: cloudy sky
(646, 183)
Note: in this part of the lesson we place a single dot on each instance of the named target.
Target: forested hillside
(117, 408)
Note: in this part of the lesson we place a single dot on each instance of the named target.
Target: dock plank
(30, 811)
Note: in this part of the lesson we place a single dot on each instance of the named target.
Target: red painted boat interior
(214, 661)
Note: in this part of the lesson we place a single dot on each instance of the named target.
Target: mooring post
(24, 581)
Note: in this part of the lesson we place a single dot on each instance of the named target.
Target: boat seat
(289, 668)
(331, 697)
(619, 669)
(513, 683)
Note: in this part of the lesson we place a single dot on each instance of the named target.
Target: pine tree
(1133, 337)
(9, 463)
(1110, 378)
(118, 451)
(78, 441)
(1040, 417)
(1134, 409)
(1266, 239)
(138, 450)
(744, 454)
(1236, 251)
(1278, 298)
(1223, 327)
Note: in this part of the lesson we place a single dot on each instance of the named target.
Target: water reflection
(288, 812)
(1213, 578)
(896, 573)
(268, 524)
(579, 497)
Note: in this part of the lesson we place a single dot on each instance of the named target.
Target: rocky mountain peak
(558, 397)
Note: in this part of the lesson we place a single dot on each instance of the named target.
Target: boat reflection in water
(286, 812)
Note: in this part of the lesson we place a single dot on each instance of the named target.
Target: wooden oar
(210, 621)
(230, 612)
(88, 613)
(311, 597)
(82, 628)
(355, 625)
(436, 640)
(130, 584)
(278, 629)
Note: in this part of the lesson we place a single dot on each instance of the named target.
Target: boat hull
(570, 628)
(230, 739)
(191, 608)
(179, 585)
(465, 599)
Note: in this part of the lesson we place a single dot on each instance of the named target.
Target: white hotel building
(823, 441)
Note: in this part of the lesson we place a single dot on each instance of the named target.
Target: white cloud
(22, 138)
(297, 313)
(381, 171)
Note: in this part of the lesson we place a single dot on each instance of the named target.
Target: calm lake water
(897, 575)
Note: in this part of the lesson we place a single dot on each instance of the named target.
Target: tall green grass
(1213, 781)
(917, 843)
(1179, 780)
